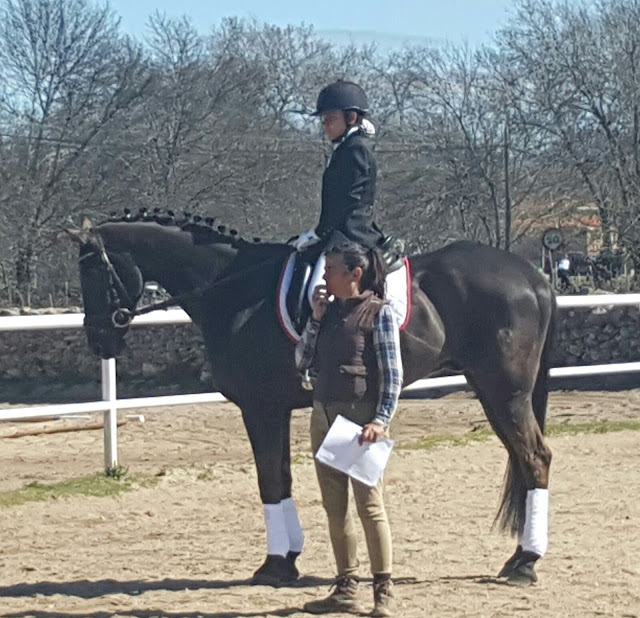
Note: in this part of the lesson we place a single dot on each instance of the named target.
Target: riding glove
(306, 240)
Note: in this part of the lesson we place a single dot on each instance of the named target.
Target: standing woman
(353, 345)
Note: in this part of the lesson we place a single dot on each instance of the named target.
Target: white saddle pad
(398, 294)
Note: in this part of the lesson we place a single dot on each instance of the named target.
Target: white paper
(341, 450)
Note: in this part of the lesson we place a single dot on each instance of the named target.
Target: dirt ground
(186, 547)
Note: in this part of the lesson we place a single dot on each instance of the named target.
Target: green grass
(434, 440)
(98, 485)
(558, 429)
(572, 429)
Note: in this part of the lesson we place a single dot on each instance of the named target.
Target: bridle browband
(121, 317)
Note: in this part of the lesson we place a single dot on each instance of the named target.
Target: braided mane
(203, 229)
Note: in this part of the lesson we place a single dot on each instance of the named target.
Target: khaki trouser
(334, 487)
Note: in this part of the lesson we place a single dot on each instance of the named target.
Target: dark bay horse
(475, 310)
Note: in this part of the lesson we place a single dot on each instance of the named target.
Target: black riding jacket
(348, 192)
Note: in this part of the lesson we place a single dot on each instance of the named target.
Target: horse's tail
(512, 510)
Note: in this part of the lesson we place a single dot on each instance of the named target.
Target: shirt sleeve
(306, 347)
(386, 342)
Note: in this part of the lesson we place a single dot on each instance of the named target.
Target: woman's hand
(371, 432)
(319, 301)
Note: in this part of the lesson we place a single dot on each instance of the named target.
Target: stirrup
(392, 250)
(307, 382)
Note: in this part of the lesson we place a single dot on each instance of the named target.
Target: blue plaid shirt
(386, 343)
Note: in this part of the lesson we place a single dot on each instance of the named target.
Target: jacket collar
(343, 138)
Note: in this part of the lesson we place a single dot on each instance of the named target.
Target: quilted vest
(345, 360)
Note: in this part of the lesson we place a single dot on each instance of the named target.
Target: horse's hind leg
(268, 430)
(524, 507)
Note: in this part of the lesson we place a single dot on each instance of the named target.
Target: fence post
(110, 415)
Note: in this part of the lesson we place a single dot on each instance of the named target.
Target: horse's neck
(168, 255)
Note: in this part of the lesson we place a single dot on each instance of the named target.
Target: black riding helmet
(342, 95)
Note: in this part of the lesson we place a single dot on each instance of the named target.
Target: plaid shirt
(386, 343)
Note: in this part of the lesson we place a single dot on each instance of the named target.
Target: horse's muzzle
(105, 342)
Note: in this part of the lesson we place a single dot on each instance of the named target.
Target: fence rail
(110, 404)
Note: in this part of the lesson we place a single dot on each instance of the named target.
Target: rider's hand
(371, 432)
(306, 240)
(319, 302)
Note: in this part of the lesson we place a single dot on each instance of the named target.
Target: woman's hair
(370, 260)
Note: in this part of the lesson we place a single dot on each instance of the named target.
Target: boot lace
(344, 584)
(382, 588)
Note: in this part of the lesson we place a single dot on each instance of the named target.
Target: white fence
(110, 404)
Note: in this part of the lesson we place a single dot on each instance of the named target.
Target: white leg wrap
(294, 529)
(535, 534)
(277, 537)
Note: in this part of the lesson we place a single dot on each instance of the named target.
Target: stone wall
(598, 336)
(57, 364)
(52, 365)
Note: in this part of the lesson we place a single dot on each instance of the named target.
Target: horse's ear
(84, 234)
(81, 236)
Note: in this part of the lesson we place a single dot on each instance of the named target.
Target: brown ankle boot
(384, 603)
(342, 600)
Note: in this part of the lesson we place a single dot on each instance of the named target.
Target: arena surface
(186, 547)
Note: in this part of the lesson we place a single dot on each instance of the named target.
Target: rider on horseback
(348, 182)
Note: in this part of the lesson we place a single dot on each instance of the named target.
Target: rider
(349, 180)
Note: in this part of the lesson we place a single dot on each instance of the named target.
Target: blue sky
(390, 21)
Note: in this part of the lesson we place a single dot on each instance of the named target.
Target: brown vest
(345, 360)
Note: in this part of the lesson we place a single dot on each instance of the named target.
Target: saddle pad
(398, 296)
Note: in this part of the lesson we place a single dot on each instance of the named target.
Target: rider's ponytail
(374, 276)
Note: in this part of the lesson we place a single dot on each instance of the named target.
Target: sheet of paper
(340, 450)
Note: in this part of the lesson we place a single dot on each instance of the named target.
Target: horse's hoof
(276, 571)
(523, 578)
(520, 568)
(292, 556)
(509, 564)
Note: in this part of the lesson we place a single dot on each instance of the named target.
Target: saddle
(298, 307)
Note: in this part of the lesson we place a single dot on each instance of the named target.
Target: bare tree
(578, 68)
(68, 75)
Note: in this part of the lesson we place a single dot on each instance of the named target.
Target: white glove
(306, 240)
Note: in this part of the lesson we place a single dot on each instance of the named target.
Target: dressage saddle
(391, 248)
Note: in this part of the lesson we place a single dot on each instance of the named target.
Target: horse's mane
(203, 229)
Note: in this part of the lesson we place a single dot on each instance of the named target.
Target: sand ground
(187, 547)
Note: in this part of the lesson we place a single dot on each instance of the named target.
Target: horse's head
(111, 286)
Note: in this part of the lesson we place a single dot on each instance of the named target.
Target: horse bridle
(121, 317)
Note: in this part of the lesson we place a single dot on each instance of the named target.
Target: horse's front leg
(268, 430)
